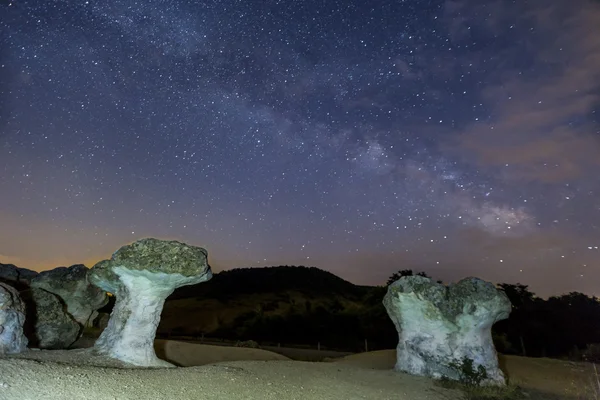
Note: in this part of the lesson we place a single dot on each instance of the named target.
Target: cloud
(540, 125)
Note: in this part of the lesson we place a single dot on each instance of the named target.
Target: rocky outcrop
(72, 286)
(48, 325)
(141, 276)
(440, 325)
(12, 317)
(18, 278)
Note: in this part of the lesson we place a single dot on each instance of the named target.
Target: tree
(521, 324)
(405, 272)
(518, 294)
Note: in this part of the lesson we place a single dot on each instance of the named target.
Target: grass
(591, 391)
(487, 392)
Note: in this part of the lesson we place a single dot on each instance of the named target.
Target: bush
(470, 382)
(247, 343)
(591, 353)
(501, 343)
(468, 375)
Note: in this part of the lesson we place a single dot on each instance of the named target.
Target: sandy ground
(542, 375)
(77, 374)
(218, 372)
(190, 354)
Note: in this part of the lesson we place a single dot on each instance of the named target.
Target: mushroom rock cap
(151, 257)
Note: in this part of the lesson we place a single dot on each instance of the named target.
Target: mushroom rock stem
(129, 335)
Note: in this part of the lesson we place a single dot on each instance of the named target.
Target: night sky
(454, 137)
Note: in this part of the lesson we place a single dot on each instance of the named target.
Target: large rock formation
(439, 325)
(12, 317)
(74, 289)
(48, 325)
(141, 276)
(16, 277)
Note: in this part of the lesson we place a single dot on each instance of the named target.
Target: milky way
(453, 137)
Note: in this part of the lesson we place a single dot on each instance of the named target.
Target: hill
(285, 304)
(307, 280)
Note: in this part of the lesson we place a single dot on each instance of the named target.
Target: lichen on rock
(440, 325)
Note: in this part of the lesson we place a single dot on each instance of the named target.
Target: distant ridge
(309, 280)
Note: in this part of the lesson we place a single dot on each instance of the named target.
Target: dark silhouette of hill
(306, 280)
(284, 304)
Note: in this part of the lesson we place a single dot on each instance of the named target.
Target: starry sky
(456, 137)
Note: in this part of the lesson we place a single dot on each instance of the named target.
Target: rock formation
(18, 278)
(439, 325)
(74, 289)
(48, 325)
(12, 317)
(141, 276)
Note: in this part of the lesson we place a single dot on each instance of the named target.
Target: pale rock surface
(12, 317)
(438, 325)
(141, 276)
(72, 286)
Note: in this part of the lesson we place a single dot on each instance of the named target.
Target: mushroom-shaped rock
(141, 276)
(12, 317)
(73, 287)
(438, 326)
(48, 325)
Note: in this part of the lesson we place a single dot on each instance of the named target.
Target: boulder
(141, 276)
(48, 324)
(12, 317)
(439, 326)
(19, 278)
(72, 286)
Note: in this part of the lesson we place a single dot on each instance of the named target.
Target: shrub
(468, 375)
(592, 353)
(470, 382)
(501, 343)
(247, 343)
